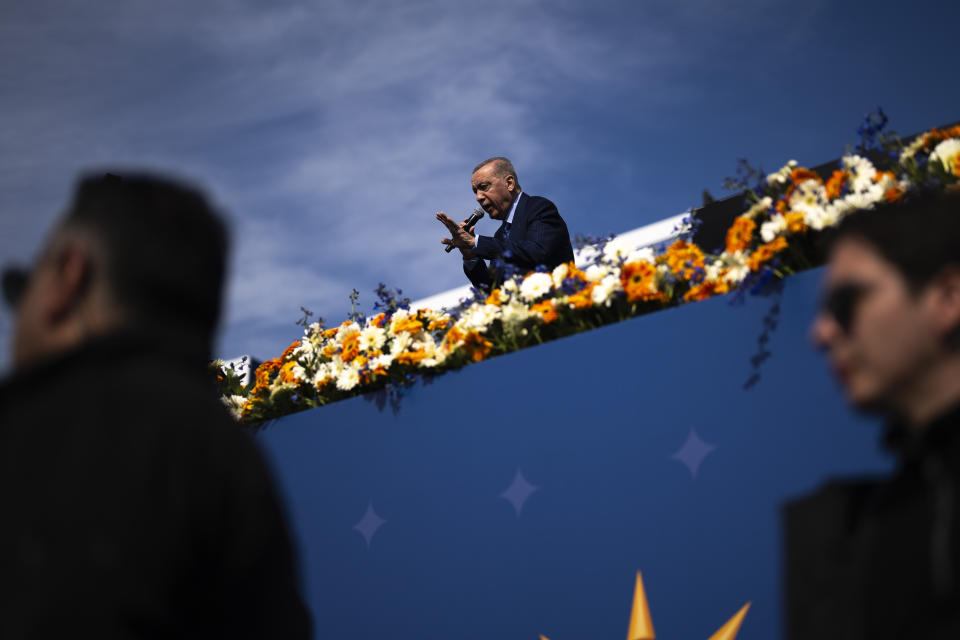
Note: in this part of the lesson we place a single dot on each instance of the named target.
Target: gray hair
(502, 167)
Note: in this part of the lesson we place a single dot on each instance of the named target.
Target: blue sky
(331, 131)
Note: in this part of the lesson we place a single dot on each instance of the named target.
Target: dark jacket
(880, 557)
(134, 507)
(538, 236)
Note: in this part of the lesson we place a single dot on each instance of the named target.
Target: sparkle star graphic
(369, 524)
(693, 452)
(518, 492)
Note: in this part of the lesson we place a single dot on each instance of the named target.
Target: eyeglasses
(841, 303)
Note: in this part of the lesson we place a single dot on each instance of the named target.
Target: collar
(513, 209)
(940, 436)
(184, 349)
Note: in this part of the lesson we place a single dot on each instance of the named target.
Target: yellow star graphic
(641, 624)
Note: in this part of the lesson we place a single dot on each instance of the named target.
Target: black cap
(14, 284)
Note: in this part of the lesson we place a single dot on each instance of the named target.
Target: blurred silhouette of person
(531, 232)
(133, 506)
(879, 557)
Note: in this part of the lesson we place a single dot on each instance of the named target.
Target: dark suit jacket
(538, 236)
(879, 558)
(127, 515)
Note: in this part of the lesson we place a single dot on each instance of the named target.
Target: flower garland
(768, 241)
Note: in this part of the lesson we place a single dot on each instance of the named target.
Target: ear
(510, 182)
(945, 304)
(70, 278)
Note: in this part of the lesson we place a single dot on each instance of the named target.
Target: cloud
(331, 131)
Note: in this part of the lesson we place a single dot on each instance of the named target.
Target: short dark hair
(165, 249)
(502, 166)
(919, 235)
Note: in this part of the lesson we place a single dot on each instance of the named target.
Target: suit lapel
(519, 225)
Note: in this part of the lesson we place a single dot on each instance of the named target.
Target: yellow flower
(411, 324)
(411, 357)
(795, 222)
(494, 298)
(351, 347)
(440, 322)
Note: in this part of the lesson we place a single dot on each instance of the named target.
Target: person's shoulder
(540, 205)
(839, 500)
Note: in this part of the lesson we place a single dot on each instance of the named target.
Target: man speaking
(532, 232)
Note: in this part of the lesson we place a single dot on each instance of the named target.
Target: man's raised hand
(461, 236)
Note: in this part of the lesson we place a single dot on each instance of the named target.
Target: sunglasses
(14, 283)
(841, 303)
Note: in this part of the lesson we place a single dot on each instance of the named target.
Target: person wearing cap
(879, 557)
(133, 506)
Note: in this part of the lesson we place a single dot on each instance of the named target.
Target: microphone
(472, 220)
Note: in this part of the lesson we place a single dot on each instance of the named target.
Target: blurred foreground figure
(132, 506)
(880, 557)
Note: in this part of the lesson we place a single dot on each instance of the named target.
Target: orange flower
(454, 336)
(582, 299)
(684, 258)
(547, 313)
(781, 206)
(893, 194)
(639, 281)
(765, 252)
(350, 348)
(438, 323)
(329, 333)
(795, 223)
(378, 320)
(410, 357)
(476, 346)
(286, 373)
(410, 323)
(494, 298)
(883, 174)
(800, 174)
(740, 234)
(249, 407)
(836, 183)
(573, 272)
(265, 373)
(289, 350)
(706, 289)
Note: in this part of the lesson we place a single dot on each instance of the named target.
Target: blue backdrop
(519, 496)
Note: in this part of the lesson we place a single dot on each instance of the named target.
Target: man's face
(495, 194)
(878, 335)
(30, 329)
